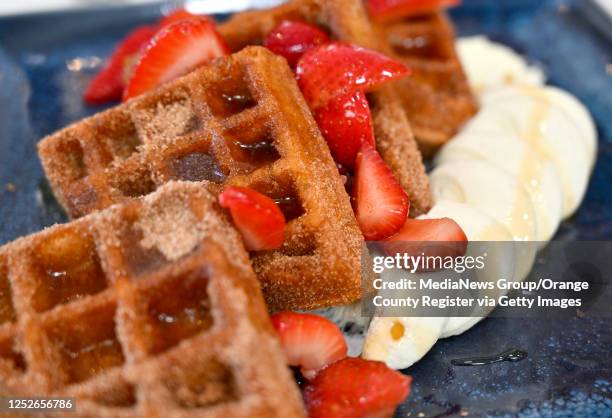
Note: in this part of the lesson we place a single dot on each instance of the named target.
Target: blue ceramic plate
(46, 60)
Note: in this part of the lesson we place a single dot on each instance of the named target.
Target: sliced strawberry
(356, 388)
(337, 68)
(433, 237)
(178, 15)
(383, 10)
(381, 205)
(292, 39)
(257, 217)
(174, 51)
(309, 341)
(346, 123)
(109, 83)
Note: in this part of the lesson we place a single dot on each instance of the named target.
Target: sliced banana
(486, 235)
(573, 109)
(489, 189)
(477, 225)
(401, 342)
(489, 64)
(486, 187)
(507, 151)
(548, 131)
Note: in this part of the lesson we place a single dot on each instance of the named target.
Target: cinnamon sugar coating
(103, 310)
(239, 121)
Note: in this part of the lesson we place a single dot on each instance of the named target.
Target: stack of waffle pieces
(239, 121)
(346, 20)
(149, 308)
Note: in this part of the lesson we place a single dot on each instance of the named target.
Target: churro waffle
(239, 121)
(437, 97)
(347, 20)
(147, 309)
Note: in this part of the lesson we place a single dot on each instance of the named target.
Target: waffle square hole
(284, 195)
(167, 116)
(118, 133)
(139, 260)
(9, 354)
(229, 96)
(67, 268)
(69, 154)
(253, 149)
(178, 308)
(7, 311)
(87, 345)
(134, 182)
(195, 164)
(410, 42)
(202, 384)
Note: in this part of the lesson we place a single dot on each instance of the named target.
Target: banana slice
(548, 131)
(489, 189)
(482, 231)
(477, 225)
(401, 342)
(489, 64)
(573, 109)
(579, 114)
(538, 175)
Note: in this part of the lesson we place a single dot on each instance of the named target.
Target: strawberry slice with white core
(346, 123)
(309, 341)
(256, 216)
(174, 51)
(292, 39)
(338, 68)
(433, 237)
(381, 205)
(383, 10)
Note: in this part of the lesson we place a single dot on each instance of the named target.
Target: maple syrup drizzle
(237, 102)
(290, 206)
(513, 355)
(258, 152)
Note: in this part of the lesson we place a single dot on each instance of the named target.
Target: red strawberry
(109, 83)
(338, 68)
(382, 10)
(356, 388)
(309, 341)
(257, 217)
(346, 123)
(174, 51)
(381, 205)
(291, 39)
(178, 15)
(433, 237)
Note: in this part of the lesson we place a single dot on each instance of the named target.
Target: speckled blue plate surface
(46, 60)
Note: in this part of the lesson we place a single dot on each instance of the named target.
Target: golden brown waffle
(346, 20)
(437, 97)
(239, 121)
(146, 309)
